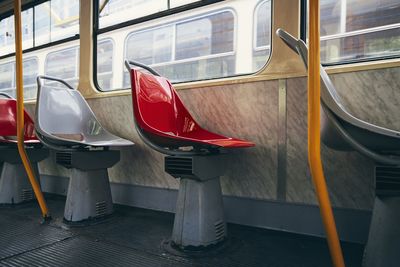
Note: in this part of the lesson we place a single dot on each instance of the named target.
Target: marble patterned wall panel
(372, 95)
(247, 111)
(139, 165)
(349, 175)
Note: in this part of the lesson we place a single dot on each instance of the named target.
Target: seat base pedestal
(383, 244)
(89, 196)
(14, 183)
(199, 218)
(89, 193)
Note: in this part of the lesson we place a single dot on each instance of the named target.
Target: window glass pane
(30, 72)
(353, 30)
(197, 43)
(371, 13)
(7, 37)
(42, 24)
(262, 34)
(193, 39)
(116, 11)
(263, 24)
(63, 64)
(64, 18)
(27, 28)
(7, 76)
(48, 22)
(193, 45)
(151, 46)
(105, 64)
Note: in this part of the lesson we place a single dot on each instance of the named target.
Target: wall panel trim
(352, 224)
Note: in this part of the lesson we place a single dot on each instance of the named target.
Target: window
(262, 34)
(105, 49)
(203, 41)
(354, 30)
(197, 49)
(112, 12)
(42, 24)
(30, 72)
(7, 77)
(7, 36)
(63, 64)
(7, 80)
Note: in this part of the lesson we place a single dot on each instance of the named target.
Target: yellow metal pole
(314, 138)
(20, 111)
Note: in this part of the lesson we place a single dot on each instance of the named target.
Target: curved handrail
(44, 77)
(6, 95)
(128, 64)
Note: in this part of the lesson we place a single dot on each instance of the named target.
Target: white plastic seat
(65, 122)
(63, 118)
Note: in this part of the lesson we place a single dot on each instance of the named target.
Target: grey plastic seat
(64, 119)
(65, 123)
(342, 131)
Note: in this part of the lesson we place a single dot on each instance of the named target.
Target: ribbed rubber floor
(19, 235)
(81, 251)
(133, 237)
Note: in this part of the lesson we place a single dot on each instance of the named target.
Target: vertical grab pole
(314, 138)
(20, 111)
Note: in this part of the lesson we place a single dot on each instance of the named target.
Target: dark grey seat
(65, 123)
(342, 131)
(339, 129)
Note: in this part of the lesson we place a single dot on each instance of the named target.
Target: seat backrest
(63, 114)
(157, 106)
(8, 120)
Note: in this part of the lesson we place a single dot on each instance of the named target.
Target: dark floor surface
(133, 237)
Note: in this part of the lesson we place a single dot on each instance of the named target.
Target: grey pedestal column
(383, 246)
(15, 187)
(89, 193)
(199, 218)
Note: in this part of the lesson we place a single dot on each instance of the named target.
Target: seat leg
(199, 218)
(89, 195)
(15, 187)
(383, 246)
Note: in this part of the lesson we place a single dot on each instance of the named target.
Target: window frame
(39, 47)
(303, 35)
(174, 24)
(112, 63)
(96, 31)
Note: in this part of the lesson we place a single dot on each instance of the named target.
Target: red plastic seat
(8, 123)
(162, 117)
